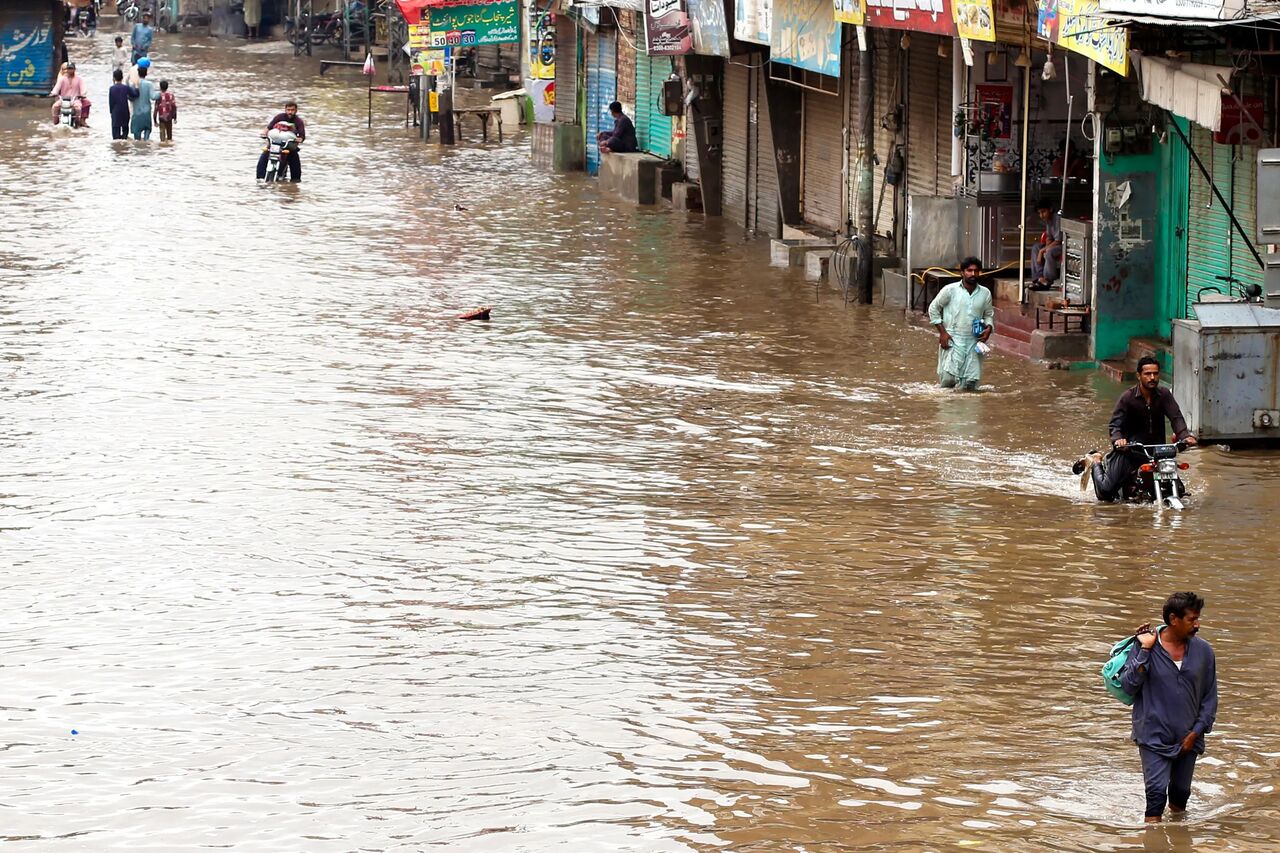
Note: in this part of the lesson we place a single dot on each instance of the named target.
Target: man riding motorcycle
(290, 116)
(1139, 416)
(70, 85)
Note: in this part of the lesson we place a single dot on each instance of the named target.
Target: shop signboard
(542, 44)
(926, 16)
(806, 35)
(666, 28)
(710, 30)
(975, 19)
(752, 20)
(492, 23)
(1080, 26)
(851, 12)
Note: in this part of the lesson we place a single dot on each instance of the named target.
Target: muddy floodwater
(675, 553)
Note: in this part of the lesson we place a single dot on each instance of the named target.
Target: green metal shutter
(1214, 247)
(652, 128)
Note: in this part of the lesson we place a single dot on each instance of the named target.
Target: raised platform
(632, 176)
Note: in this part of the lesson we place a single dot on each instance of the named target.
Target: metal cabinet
(1226, 371)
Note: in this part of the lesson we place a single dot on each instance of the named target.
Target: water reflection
(669, 555)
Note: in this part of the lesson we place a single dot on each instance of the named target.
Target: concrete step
(1116, 369)
(1011, 317)
(1011, 346)
(1014, 332)
(1139, 347)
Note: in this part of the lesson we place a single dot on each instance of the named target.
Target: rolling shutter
(602, 82)
(692, 170)
(884, 197)
(762, 194)
(823, 159)
(566, 70)
(26, 47)
(736, 122)
(652, 128)
(928, 118)
(1214, 248)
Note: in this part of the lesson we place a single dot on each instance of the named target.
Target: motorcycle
(85, 23)
(130, 10)
(281, 143)
(1155, 480)
(67, 116)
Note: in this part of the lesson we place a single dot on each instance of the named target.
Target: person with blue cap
(132, 78)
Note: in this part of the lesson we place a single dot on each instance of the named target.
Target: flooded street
(675, 553)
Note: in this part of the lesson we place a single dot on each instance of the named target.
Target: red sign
(1240, 127)
(924, 16)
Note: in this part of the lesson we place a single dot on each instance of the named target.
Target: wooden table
(391, 90)
(482, 113)
(1080, 314)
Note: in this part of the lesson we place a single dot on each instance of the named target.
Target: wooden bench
(482, 113)
(1080, 314)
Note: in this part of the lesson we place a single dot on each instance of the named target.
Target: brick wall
(628, 35)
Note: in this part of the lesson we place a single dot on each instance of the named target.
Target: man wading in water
(962, 313)
(1172, 676)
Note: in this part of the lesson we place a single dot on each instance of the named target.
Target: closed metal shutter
(566, 70)
(691, 168)
(888, 95)
(762, 195)
(602, 85)
(736, 122)
(823, 159)
(1214, 248)
(26, 48)
(652, 127)
(928, 118)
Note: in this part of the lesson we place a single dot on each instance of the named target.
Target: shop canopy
(1195, 13)
(1189, 89)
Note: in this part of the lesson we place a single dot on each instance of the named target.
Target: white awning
(1189, 89)
(1193, 13)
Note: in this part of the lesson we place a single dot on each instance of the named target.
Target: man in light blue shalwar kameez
(963, 315)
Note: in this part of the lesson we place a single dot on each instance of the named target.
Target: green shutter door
(1214, 248)
(653, 129)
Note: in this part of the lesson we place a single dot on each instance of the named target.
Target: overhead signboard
(666, 28)
(1081, 26)
(851, 12)
(710, 30)
(752, 20)
(806, 35)
(492, 23)
(975, 19)
(925, 16)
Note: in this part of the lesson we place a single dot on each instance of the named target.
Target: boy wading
(1172, 676)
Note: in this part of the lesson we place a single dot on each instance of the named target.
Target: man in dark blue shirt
(1172, 675)
(623, 138)
(118, 98)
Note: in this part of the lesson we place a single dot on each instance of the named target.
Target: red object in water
(477, 314)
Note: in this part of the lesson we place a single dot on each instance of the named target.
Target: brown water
(676, 553)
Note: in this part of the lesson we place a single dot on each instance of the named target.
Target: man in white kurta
(963, 315)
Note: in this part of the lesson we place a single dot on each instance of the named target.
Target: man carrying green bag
(1170, 677)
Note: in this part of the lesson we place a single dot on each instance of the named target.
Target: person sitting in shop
(1046, 252)
(623, 138)
(1070, 163)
